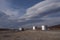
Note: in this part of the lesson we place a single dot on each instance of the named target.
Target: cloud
(5, 22)
(48, 11)
(45, 12)
(9, 15)
(42, 9)
(7, 7)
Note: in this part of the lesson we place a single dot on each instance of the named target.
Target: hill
(55, 27)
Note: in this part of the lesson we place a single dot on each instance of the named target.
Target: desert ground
(30, 35)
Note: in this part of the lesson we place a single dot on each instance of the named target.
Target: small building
(44, 27)
(34, 27)
(21, 29)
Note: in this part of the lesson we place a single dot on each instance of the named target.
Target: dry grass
(30, 35)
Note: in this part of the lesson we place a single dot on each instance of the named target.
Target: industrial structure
(34, 27)
(44, 27)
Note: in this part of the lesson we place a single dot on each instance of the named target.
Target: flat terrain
(30, 35)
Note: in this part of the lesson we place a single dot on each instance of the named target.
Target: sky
(26, 13)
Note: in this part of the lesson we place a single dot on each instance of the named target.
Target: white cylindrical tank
(20, 29)
(34, 28)
(43, 27)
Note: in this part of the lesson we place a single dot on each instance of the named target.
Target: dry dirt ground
(30, 35)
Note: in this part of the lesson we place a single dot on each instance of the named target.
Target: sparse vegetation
(30, 35)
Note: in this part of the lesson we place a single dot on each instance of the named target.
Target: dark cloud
(47, 11)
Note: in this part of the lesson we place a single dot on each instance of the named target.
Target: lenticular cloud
(44, 10)
(43, 7)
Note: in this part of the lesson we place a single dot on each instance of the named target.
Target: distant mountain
(55, 27)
